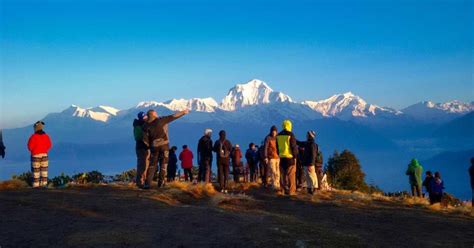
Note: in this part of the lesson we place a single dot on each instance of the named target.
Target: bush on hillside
(126, 176)
(61, 180)
(26, 177)
(89, 177)
(345, 172)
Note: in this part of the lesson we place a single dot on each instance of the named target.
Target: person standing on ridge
(223, 147)
(272, 159)
(39, 145)
(436, 189)
(2, 146)
(252, 159)
(288, 152)
(471, 174)
(186, 157)
(204, 153)
(172, 165)
(427, 182)
(141, 149)
(414, 173)
(155, 136)
(236, 157)
(309, 161)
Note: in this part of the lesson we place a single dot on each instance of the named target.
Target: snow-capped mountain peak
(347, 105)
(99, 113)
(194, 104)
(253, 92)
(430, 111)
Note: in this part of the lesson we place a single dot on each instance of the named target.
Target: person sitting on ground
(414, 172)
(427, 181)
(436, 189)
(39, 145)
(186, 157)
(172, 165)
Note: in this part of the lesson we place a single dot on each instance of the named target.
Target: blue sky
(392, 53)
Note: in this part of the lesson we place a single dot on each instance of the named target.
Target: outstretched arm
(177, 115)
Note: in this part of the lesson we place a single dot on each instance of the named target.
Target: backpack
(319, 158)
(223, 152)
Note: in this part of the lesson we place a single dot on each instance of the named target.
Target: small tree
(344, 172)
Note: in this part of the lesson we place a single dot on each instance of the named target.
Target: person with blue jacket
(436, 189)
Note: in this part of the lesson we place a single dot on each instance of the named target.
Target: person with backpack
(141, 150)
(252, 160)
(272, 159)
(172, 165)
(223, 147)
(427, 182)
(288, 152)
(237, 168)
(186, 157)
(2, 146)
(414, 172)
(309, 162)
(204, 153)
(436, 189)
(39, 145)
(155, 136)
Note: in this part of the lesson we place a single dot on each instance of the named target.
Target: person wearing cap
(39, 145)
(155, 136)
(141, 149)
(222, 148)
(204, 156)
(309, 161)
(288, 152)
(272, 159)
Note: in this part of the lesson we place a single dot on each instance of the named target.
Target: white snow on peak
(254, 92)
(194, 104)
(99, 113)
(347, 105)
(432, 110)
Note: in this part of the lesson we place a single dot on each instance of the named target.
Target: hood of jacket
(287, 125)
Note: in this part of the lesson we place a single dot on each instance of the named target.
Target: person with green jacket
(414, 173)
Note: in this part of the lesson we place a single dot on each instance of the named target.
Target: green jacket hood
(287, 125)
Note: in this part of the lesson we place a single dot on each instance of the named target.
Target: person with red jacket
(39, 145)
(186, 158)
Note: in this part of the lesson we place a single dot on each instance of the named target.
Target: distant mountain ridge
(242, 97)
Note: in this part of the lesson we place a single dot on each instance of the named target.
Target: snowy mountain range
(245, 98)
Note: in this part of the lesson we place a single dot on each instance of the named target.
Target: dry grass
(13, 184)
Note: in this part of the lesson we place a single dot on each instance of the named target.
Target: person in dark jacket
(319, 168)
(141, 149)
(262, 165)
(186, 157)
(172, 165)
(300, 171)
(288, 152)
(309, 161)
(222, 148)
(252, 160)
(471, 174)
(155, 136)
(39, 145)
(237, 167)
(436, 189)
(2, 146)
(427, 181)
(204, 156)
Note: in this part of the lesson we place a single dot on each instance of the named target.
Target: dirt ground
(120, 216)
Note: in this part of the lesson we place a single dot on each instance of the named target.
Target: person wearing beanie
(204, 156)
(155, 135)
(39, 145)
(142, 150)
(222, 148)
(288, 152)
(186, 157)
(237, 168)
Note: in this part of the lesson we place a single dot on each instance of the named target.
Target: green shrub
(25, 176)
(61, 180)
(345, 172)
(126, 176)
(89, 177)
